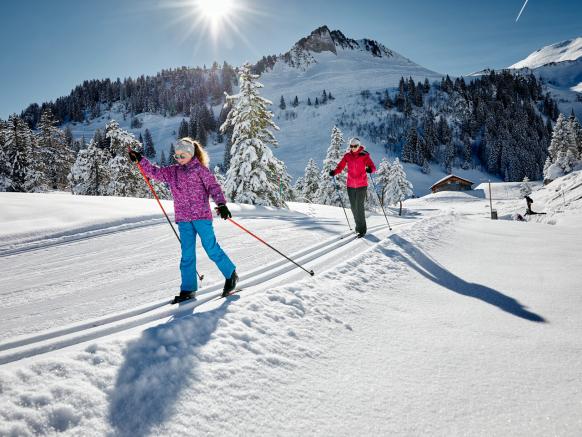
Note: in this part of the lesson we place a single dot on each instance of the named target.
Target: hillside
(559, 65)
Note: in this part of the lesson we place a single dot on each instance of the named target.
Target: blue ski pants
(188, 231)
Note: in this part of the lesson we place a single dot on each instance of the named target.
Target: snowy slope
(452, 325)
(569, 50)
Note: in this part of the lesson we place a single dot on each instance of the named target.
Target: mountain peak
(569, 50)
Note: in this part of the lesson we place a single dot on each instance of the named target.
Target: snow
(569, 50)
(452, 324)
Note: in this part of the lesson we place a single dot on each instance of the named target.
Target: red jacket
(357, 161)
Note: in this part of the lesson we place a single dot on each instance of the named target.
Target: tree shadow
(157, 367)
(430, 269)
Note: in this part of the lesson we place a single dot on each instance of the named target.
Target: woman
(359, 163)
(191, 183)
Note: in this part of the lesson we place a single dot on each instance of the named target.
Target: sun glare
(215, 10)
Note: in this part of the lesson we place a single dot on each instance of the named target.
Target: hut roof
(448, 177)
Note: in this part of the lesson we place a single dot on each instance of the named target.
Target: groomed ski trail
(48, 341)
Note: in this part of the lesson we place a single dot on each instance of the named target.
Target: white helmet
(355, 141)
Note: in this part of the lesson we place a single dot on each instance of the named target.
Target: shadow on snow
(157, 367)
(441, 276)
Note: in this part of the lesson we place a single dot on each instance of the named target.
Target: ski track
(32, 345)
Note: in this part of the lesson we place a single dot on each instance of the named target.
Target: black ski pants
(357, 198)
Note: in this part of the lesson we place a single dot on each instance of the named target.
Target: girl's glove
(332, 173)
(368, 170)
(223, 211)
(134, 156)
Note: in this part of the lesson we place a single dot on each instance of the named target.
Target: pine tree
(382, 177)
(323, 98)
(525, 187)
(24, 166)
(311, 182)
(171, 158)
(398, 187)
(559, 138)
(308, 101)
(89, 175)
(327, 193)
(183, 129)
(219, 176)
(149, 150)
(255, 176)
(410, 148)
(163, 160)
(55, 154)
(282, 104)
(295, 102)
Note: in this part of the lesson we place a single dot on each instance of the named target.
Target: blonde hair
(199, 151)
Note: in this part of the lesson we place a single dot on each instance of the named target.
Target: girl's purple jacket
(191, 184)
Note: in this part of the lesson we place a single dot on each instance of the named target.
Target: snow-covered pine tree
(382, 177)
(125, 179)
(24, 165)
(398, 187)
(89, 175)
(255, 176)
(562, 150)
(163, 160)
(149, 151)
(559, 138)
(327, 193)
(282, 104)
(311, 181)
(219, 176)
(298, 188)
(57, 157)
(525, 187)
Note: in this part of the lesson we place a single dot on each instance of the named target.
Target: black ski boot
(184, 296)
(230, 284)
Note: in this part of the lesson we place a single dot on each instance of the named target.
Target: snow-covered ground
(450, 324)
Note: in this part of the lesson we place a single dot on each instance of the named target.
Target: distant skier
(529, 201)
(191, 183)
(359, 163)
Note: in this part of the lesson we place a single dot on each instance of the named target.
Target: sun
(215, 10)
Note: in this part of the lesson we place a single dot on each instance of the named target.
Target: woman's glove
(332, 173)
(368, 170)
(134, 156)
(223, 211)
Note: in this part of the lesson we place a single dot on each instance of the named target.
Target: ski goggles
(181, 156)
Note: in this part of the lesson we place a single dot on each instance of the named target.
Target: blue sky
(48, 47)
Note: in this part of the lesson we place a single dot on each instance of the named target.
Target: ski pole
(380, 201)
(201, 277)
(341, 201)
(311, 272)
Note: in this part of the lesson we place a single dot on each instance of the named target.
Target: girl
(191, 183)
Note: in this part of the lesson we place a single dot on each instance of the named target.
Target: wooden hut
(451, 183)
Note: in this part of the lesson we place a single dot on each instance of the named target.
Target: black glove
(223, 211)
(134, 156)
(332, 173)
(368, 170)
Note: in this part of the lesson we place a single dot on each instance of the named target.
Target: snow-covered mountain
(569, 50)
(560, 66)
(324, 60)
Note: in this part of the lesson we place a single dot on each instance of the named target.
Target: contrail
(522, 8)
